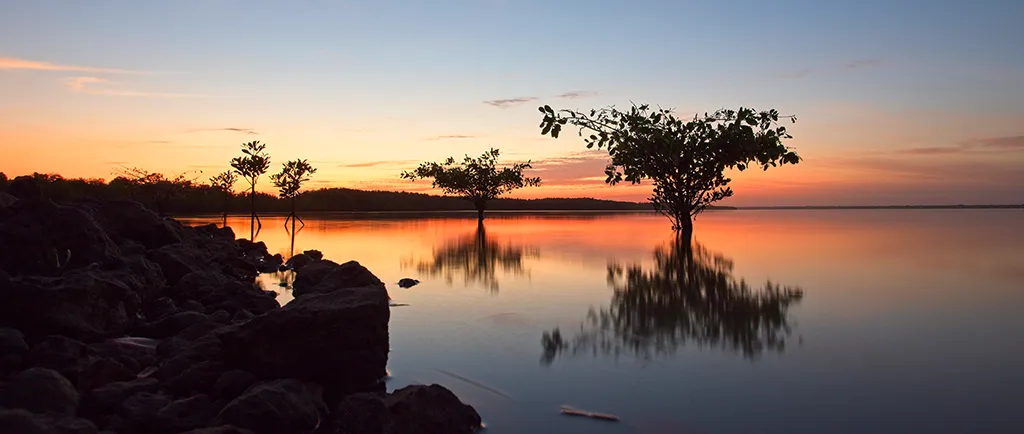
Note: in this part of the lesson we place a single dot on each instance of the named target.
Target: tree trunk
(684, 234)
(480, 205)
(252, 213)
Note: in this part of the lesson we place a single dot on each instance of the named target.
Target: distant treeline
(178, 196)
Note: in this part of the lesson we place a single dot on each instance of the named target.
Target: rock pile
(113, 319)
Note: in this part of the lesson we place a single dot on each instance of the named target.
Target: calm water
(875, 321)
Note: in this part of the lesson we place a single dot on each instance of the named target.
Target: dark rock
(347, 275)
(140, 275)
(25, 188)
(361, 413)
(185, 414)
(177, 260)
(199, 284)
(221, 317)
(242, 315)
(126, 220)
(313, 273)
(83, 304)
(172, 325)
(13, 349)
(198, 378)
(240, 269)
(408, 283)
(64, 355)
(40, 390)
(280, 406)
(159, 308)
(6, 200)
(192, 306)
(315, 255)
(142, 351)
(343, 343)
(198, 330)
(37, 236)
(102, 372)
(205, 349)
(429, 410)
(17, 421)
(232, 383)
(298, 261)
(223, 429)
(255, 302)
(138, 413)
(107, 399)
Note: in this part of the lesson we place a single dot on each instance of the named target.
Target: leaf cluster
(478, 179)
(291, 177)
(253, 162)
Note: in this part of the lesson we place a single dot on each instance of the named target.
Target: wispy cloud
(863, 63)
(248, 131)
(452, 137)
(34, 65)
(798, 74)
(506, 103)
(576, 94)
(994, 144)
(96, 86)
(388, 163)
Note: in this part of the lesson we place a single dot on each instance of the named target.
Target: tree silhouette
(153, 185)
(686, 160)
(689, 297)
(224, 182)
(3, 182)
(477, 259)
(476, 179)
(289, 182)
(253, 163)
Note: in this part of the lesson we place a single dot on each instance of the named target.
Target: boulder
(84, 304)
(338, 339)
(207, 348)
(198, 378)
(102, 372)
(140, 275)
(347, 275)
(64, 355)
(315, 255)
(126, 220)
(178, 259)
(138, 413)
(142, 351)
(313, 273)
(298, 261)
(159, 308)
(255, 302)
(186, 414)
(43, 238)
(40, 390)
(277, 407)
(107, 399)
(232, 383)
(17, 421)
(429, 409)
(13, 349)
(172, 325)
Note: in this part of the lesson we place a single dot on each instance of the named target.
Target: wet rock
(37, 236)
(347, 275)
(102, 372)
(343, 344)
(138, 413)
(13, 349)
(83, 304)
(40, 390)
(232, 383)
(64, 355)
(198, 378)
(313, 273)
(141, 351)
(159, 308)
(280, 406)
(17, 421)
(172, 325)
(107, 399)
(298, 261)
(255, 302)
(408, 283)
(186, 414)
(429, 410)
(125, 220)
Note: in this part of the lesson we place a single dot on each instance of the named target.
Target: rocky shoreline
(115, 320)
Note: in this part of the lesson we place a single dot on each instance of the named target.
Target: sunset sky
(899, 101)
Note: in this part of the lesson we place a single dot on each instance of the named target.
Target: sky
(898, 102)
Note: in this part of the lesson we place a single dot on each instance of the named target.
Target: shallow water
(881, 321)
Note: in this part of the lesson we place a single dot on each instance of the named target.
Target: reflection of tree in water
(476, 259)
(689, 297)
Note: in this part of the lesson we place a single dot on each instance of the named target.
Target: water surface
(852, 321)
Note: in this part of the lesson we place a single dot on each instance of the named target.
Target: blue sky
(342, 83)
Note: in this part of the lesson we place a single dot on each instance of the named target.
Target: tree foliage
(253, 162)
(686, 160)
(291, 177)
(143, 183)
(476, 179)
(224, 181)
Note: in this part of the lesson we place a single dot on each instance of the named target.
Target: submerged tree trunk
(252, 213)
(684, 234)
(480, 205)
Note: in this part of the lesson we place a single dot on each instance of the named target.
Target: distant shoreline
(842, 207)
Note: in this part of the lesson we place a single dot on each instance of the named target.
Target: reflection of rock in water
(476, 259)
(689, 297)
